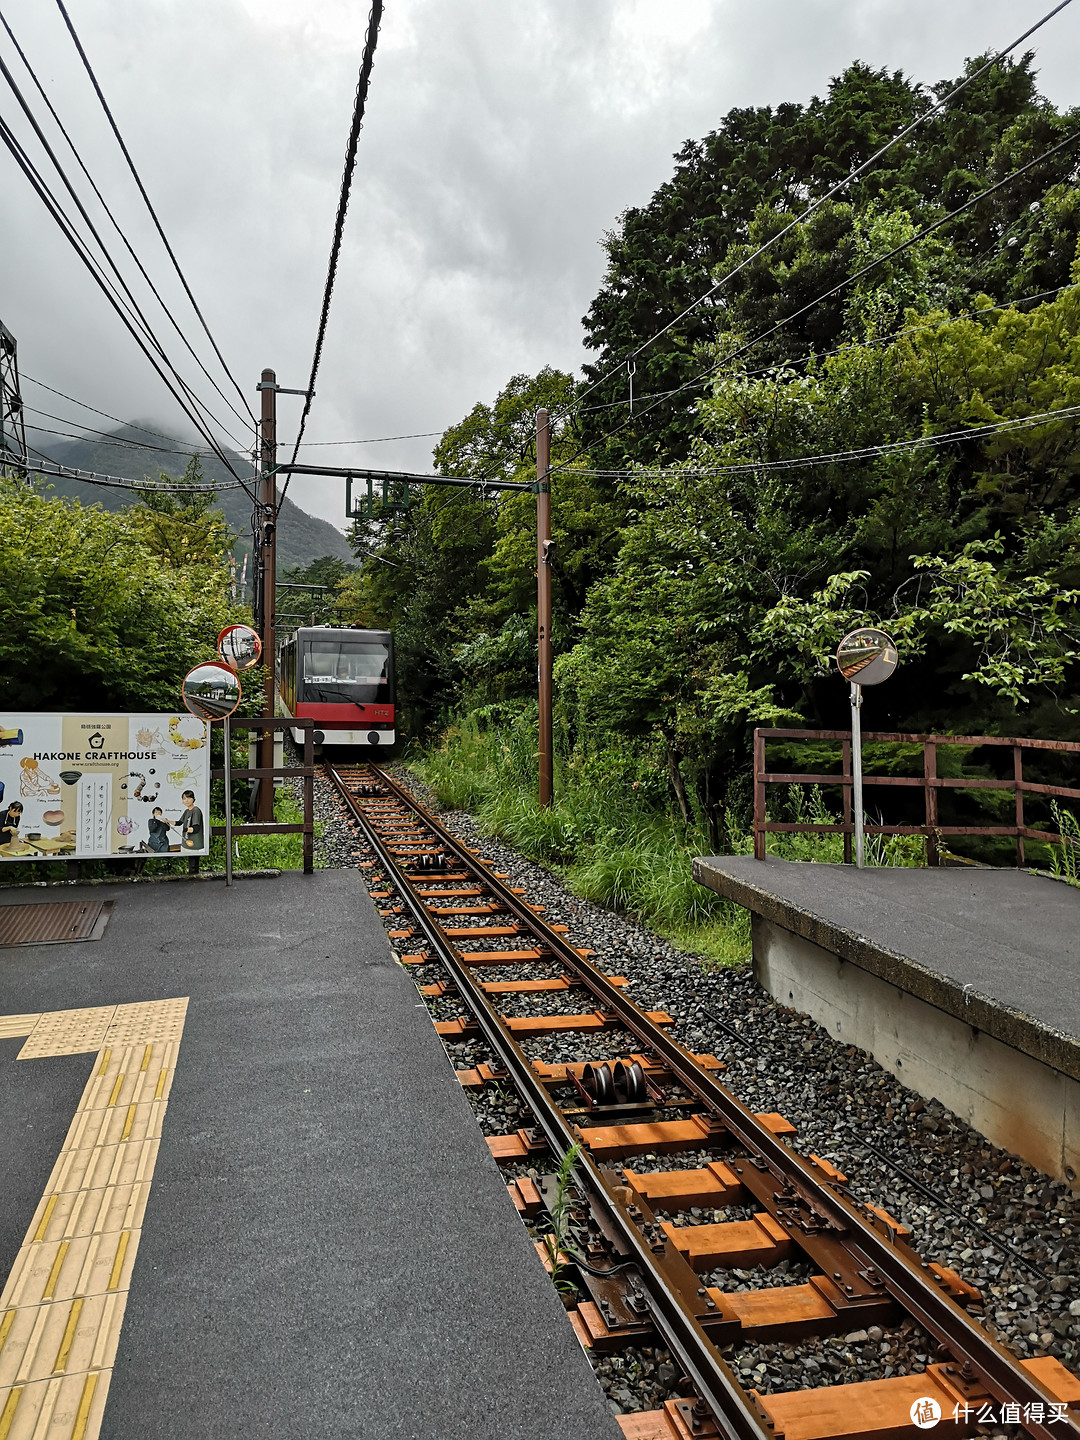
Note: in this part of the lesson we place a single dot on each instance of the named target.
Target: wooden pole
(543, 603)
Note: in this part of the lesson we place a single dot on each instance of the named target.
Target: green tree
(92, 615)
(760, 169)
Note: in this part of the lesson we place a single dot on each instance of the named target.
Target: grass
(1065, 858)
(610, 837)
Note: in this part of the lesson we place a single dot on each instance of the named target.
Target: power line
(888, 339)
(115, 223)
(128, 314)
(823, 199)
(379, 440)
(121, 444)
(153, 213)
(103, 413)
(867, 452)
(359, 104)
(919, 235)
(134, 308)
(119, 482)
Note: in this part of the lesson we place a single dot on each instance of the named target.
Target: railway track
(626, 1244)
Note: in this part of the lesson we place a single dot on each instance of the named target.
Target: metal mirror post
(870, 655)
(240, 648)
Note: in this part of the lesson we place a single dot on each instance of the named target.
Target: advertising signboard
(86, 787)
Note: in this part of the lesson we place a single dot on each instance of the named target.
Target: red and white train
(343, 680)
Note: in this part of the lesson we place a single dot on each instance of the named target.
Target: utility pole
(543, 602)
(267, 552)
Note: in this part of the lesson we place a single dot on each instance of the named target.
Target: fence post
(845, 765)
(759, 794)
(931, 795)
(1018, 781)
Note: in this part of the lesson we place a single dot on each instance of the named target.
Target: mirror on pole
(211, 691)
(239, 647)
(866, 656)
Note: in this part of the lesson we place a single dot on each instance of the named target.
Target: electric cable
(129, 302)
(823, 199)
(867, 452)
(107, 437)
(51, 468)
(797, 360)
(135, 308)
(45, 194)
(153, 213)
(919, 235)
(379, 439)
(359, 105)
(116, 225)
(103, 413)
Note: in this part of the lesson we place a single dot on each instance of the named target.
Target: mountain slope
(301, 538)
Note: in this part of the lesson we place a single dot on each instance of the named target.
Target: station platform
(965, 983)
(244, 1194)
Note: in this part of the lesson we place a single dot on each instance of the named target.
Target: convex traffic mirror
(239, 647)
(866, 656)
(211, 691)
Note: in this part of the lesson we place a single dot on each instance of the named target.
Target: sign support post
(856, 773)
(863, 657)
(227, 733)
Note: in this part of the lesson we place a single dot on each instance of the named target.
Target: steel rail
(700, 1359)
(904, 1279)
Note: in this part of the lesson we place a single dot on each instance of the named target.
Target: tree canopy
(100, 610)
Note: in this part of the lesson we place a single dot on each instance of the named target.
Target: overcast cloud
(502, 139)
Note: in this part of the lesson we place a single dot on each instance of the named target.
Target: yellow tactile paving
(68, 1407)
(105, 1165)
(63, 1338)
(12, 1026)
(63, 1269)
(63, 1303)
(68, 1032)
(147, 1020)
(128, 1074)
(71, 1214)
(113, 1124)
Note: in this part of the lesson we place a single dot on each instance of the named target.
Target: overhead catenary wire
(102, 437)
(822, 200)
(116, 224)
(150, 208)
(359, 105)
(712, 371)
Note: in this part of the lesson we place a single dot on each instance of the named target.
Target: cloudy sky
(501, 140)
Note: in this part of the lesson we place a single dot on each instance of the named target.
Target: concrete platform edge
(982, 1012)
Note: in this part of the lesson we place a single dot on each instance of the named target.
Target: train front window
(340, 670)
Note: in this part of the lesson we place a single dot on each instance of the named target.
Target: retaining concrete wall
(1015, 1100)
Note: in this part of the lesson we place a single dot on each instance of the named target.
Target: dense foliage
(880, 430)
(100, 610)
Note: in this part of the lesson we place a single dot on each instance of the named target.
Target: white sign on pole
(79, 787)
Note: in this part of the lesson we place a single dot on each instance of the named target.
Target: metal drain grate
(54, 924)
